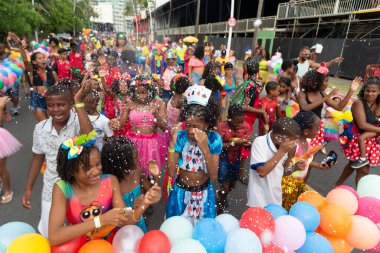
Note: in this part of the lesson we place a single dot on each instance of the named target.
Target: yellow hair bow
(74, 151)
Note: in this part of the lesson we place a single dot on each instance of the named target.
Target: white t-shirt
(303, 68)
(264, 190)
(100, 125)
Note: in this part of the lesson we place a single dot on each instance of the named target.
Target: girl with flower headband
(85, 201)
(146, 114)
(313, 96)
(170, 72)
(195, 151)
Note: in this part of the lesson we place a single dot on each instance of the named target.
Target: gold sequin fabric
(292, 188)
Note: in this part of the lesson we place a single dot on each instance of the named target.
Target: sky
(161, 2)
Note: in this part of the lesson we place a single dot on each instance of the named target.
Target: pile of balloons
(10, 74)
(275, 62)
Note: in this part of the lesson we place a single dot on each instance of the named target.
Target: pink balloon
(289, 232)
(364, 234)
(349, 188)
(343, 198)
(369, 207)
(377, 247)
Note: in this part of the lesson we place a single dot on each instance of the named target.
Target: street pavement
(18, 165)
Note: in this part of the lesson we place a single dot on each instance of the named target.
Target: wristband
(171, 150)
(79, 105)
(97, 222)
(133, 217)
(232, 144)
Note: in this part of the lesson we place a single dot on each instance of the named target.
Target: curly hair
(66, 168)
(213, 84)
(370, 81)
(72, 85)
(115, 85)
(117, 156)
(209, 113)
(306, 119)
(179, 85)
(235, 110)
(199, 52)
(252, 66)
(271, 85)
(59, 90)
(152, 92)
(286, 126)
(312, 81)
(209, 68)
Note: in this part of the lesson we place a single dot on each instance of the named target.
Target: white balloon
(126, 239)
(243, 240)
(369, 186)
(188, 246)
(177, 228)
(228, 222)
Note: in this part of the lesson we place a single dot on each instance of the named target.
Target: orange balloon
(314, 198)
(335, 221)
(340, 245)
(96, 246)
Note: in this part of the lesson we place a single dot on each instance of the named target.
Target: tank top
(129, 200)
(317, 110)
(142, 118)
(38, 79)
(303, 68)
(76, 212)
(370, 117)
(173, 114)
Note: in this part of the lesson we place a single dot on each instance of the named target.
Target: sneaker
(15, 111)
(359, 164)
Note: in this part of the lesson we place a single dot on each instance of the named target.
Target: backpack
(238, 95)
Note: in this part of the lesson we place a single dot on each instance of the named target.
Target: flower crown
(176, 77)
(75, 144)
(146, 80)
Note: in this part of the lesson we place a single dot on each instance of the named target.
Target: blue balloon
(315, 243)
(307, 214)
(12, 230)
(242, 240)
(276, 210)
(211, 235)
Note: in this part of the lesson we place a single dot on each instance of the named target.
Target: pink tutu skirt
(8, 144)
(150, 147)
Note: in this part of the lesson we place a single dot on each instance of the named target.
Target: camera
(330, 159)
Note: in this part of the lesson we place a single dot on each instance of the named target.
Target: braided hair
(306, 119)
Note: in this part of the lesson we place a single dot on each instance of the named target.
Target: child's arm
(356, 83)
(84, 122)
(212, 161)
(159, 112)
(360, 119)
(172, 155)
(248, 108)
(308, 107)
(27, 64)
(3, 103)
(269, 165)
(34, 170)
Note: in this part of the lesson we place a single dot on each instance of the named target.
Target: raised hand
(154, 170)
(356, 83)
(152, 196)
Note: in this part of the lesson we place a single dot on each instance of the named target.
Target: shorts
(37, 101)
(14, 91)
(228, 172)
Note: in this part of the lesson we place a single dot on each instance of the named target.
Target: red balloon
(258, 220)
(70, 247)
(272, 248)
(154, 241)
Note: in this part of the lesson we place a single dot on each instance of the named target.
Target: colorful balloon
(369, 207)
(335, 221)
(272, 248)
(276, 210)
(343, 198)
(30, 243)
(188, 246)
(315, 243)
(376, 248)
(177, 228)
(290, 233)
(211, 235)
(242, 240)
(369, 186)
(154, 241)
(96, 246)
(307, 214)
(313, 198)
(349, 188)
(340, 245)
(12, 230)
(127, 238)
(69, 247)
(228, 222)
(364, 234)
(259, 221)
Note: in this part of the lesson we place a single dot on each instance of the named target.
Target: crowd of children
(113, 119)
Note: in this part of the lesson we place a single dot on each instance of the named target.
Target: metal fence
(320, 8)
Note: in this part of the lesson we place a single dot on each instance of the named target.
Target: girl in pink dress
(8, 146)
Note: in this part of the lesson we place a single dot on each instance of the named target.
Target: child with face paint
(196, 152)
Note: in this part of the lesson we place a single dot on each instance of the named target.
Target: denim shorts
(166, 95)
(37, 101)
(196, 77)
(227, 171)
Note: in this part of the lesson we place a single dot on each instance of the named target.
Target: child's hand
(138, 202)
(201, 138)
(300, 165)
(332, 93)
(287, 146)
(356, 83)
(114, 124)
(3, 101)
(152, 196)
(115, 217)
(324, 166)
(154, 170)
(174, 132)
(102, 72)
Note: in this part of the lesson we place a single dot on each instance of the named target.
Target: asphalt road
(22, 127)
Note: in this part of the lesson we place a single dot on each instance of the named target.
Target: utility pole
(35, 31)
(230, 29)
(258, 16)
(74, 3)
(197, 18)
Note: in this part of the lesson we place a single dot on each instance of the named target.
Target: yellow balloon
(29, 243)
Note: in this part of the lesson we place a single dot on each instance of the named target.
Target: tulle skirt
(8, 143)
(150, 147)
(331, 130)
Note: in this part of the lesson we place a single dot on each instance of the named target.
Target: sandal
(6, 199)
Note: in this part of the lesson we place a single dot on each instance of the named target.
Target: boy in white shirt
(98, 120)
(268, 155)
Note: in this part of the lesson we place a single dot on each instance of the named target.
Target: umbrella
(190, 39)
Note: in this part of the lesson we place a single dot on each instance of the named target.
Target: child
(330, 127)
(85, 202)
(76, 59)
(179, 84)
(285, 96)
(8, 146)
(48, 135)
(62, 66)
(293, 184)
(169, 73)
(196, 152)
(235, 134)
(269, 104)
(120, 158)
(99, 121)
(269, 152)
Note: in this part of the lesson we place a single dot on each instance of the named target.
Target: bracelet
(79, 105)
(171, 150)
(97, 222)
(133, 217)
